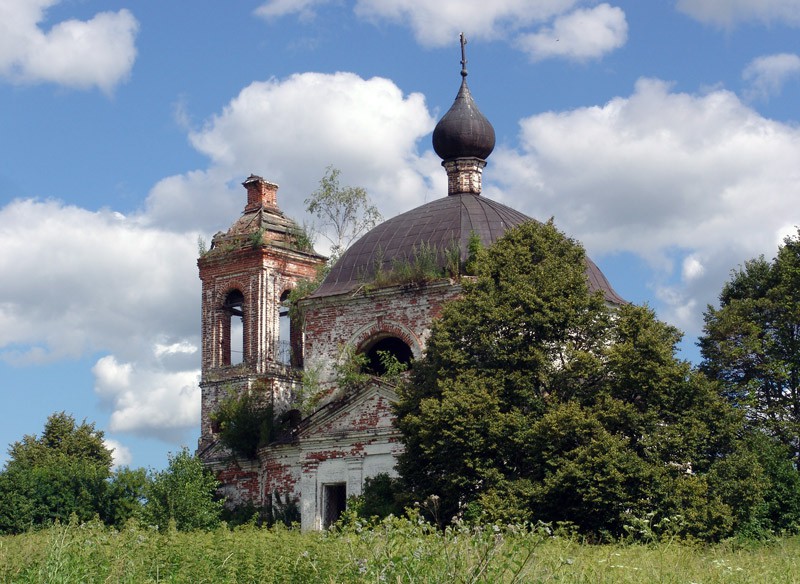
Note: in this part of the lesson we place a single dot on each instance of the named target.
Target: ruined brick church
(249, 343)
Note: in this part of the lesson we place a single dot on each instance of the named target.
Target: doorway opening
(334, 502)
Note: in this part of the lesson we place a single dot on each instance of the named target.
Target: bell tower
(248, 343)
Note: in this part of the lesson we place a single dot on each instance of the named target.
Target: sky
(663, 135)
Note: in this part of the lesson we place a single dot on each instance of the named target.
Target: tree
(50, 477)
(751, 342)
(535, 401)
(184, 493)
(345, 213)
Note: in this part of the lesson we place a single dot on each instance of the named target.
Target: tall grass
(398, 550)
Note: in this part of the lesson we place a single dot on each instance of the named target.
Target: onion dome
(463, 132)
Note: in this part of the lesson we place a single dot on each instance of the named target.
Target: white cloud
(576, 35)
(289, 131)
(670, 177)
(692, 268)
(76, 281)
(439, 23)
(727, 13)
(767, 75)
(80, 54)
(277, 8)
(120, 455)
(579, 35)
(147, 400)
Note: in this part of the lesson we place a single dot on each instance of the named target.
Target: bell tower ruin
(248, 343)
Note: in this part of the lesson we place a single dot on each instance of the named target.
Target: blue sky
(662, 134)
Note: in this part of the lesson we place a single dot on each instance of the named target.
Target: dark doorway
(334, 503)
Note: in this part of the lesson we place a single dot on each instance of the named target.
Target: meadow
(398, 550)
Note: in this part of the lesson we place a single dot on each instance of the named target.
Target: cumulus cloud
(543, 28)
(120, 455)
(81, 54)
(148, 400)
(670, 177)
(727, 13)
(76, 281)
(579, 35)
(767, 75)
(289, 130)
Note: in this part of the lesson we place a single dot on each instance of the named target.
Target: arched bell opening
(386, 353)
(233, 329)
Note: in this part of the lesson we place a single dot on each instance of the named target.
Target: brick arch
(375, 331)
(229, 287)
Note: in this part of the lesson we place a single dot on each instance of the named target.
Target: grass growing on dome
(426, 264)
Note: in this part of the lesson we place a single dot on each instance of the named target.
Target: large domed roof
(463, 138)
(439, 224)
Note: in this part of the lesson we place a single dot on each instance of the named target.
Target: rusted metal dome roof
(440, 224)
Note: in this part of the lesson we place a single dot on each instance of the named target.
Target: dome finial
(463, 55)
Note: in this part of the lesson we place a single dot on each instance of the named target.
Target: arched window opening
(284, 353)
(395, 348)
(233, 337)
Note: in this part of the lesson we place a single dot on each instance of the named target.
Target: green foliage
(246, 422)
(284, 510)
(125, 496)
(256, 238)
(422, 267)
(474, 250)
(381, 496)
(62, 438)
(534, 402)
(303, 289)
(752, 346)
(349, 370)
(202, 247)
(302, 239)
(183, 494)
(395, 550)
(391, 365)
(344, 213)
(50, 477)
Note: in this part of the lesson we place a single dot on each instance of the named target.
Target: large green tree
(536, 401)
(51, 476)
(751, 342)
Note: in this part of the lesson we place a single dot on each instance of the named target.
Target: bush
(245, 423)
(183, 493)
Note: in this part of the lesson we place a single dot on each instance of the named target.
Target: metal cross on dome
(463, 55)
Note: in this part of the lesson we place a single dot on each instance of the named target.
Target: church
(339, 436)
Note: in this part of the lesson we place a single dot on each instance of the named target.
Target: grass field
(397, 551)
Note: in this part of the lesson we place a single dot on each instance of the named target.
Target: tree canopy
(751, 342)
(537, 401)
(67, 471)
(63, 471)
